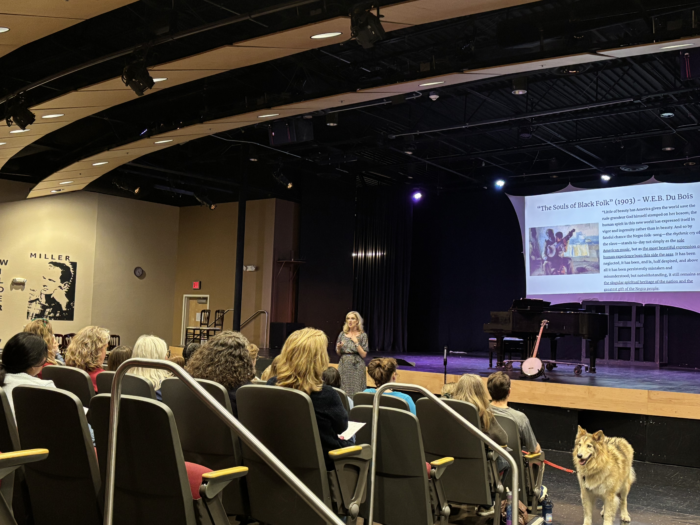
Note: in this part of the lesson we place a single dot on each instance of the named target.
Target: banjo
(532, 367)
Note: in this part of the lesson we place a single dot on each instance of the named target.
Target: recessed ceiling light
(605, 177)
(326, 35)
(54, 115)
(161, 79)
(100, 163)
(163, 141)
(57, 190)
(3, 143)
(676, 46)
(4, 29)
(500, 183)
(431, 84)
(268, 115)
(66, 182)
(20, 130)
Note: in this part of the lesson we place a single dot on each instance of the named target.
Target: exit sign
(197, 285)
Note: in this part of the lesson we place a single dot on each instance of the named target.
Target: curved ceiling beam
(30, 20)
(78, 175)
(87, 101)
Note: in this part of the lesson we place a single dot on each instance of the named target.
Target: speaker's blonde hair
(150, 347)
(360, 322)
(303, 359)
(470, 388)
(84, 349)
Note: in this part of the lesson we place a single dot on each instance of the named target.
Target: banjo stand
(532, 368)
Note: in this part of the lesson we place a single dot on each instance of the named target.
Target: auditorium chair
(9, 463)
(405, 492)
(72, 379)
(13, 488)
(153, 483)
(114, 341)
(531, 466)
(367, 398)
(343, 399)
(284, 421)
(131, 385)
(205, 439)
(474, 478)
(63, 488)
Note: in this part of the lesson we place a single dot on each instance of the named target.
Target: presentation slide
(632, 239)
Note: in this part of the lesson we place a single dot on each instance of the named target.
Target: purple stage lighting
(417, 196)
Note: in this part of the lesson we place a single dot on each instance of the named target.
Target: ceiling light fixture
(3, 143)
(53, 115)
(137, 77)
(417, 196)
(667, 143)
(102, 163)
(667, 113)
(20, 130)
(161, 79)
(332, 34)
(434, 95)
(284, 181)
(268, 115)
(4, 29)
(162, 141)
(66, 182)
(203, 200)
(676, 46)
(366, 28)
(57, 190)
(331, 119)
(126, 186)
(519, 86)
(409, 149)
(431, 84)
(500, 183)
(605, 177)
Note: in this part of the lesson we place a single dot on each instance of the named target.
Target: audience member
(382, 370)
(224, 359)
(151, 347)
(43, 329)
(117, 356)
(499, 388)
(87, 351)
(254, 351)
(301, 364)
(23, 358)
(448, 390)
(270, 371)
(189, 350)
(178, 360)
(331, 377)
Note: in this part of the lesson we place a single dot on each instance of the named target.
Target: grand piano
(525, 316)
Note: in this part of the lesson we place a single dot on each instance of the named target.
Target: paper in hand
(353, 427)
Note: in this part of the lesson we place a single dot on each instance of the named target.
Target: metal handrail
(249, 439)
(267, 323)
(466, 424)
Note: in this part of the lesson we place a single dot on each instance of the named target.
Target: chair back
(67, 338)
(284, 421)
(204, 317)
(150, 479)
(468, 480)
(219, 318)
(74, 380)
(367, 398)
(511, 428)
(64, 487)
(13, 487)
(114, 341)
(131, 385)
(344, 399)
(401, 494)
(205, 439)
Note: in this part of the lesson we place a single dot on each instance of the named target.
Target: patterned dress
(353, 375)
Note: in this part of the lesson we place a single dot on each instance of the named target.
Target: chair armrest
(10, 461)
(214, 482)
(357, 451)
(533, 456)
(439, 466)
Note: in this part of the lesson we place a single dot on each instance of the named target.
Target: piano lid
(530, 305)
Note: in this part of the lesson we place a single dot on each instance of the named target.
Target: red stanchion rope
(553, 465)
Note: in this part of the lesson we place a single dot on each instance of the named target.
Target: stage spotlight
(605, 177)
(667, 113)
(205, 201)
(126, 186)
(500, 183)
(416, 196)
(519, 86)
(17, 113)
(284, 181)
(331, 119)
(137, 77)
(366, 28)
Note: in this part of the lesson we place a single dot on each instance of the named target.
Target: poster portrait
(53, 295)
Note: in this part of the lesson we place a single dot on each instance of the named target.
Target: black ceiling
(571, 126)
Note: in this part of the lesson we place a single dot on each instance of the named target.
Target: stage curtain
(382, 265)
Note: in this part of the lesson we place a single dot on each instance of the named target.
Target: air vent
(634, 167)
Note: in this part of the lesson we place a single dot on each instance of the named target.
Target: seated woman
(226, 360)
(382, 370)
(447, 390)
(189, 350)
(331, 377)
(254, 351)
(151, 347)
(87, 351)
(117, 357)
(301, 364)
(23, 358)
(43, 329)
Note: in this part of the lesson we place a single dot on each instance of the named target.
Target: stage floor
(638, 378)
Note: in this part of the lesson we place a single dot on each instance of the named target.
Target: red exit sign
(197, 285)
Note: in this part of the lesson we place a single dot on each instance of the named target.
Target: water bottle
(547, 506)
(509, 507)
